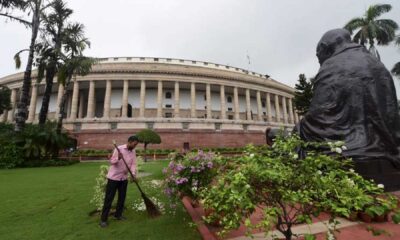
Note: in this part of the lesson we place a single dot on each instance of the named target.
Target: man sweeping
(117, 178)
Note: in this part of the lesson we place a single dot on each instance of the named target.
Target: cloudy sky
(279, 36)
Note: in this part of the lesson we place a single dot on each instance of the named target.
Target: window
(142, 59)
(155, 59)
(218, 126)
(113, 125)
(168, 59)
(230, 117)
(168, 115)
(263, 103)
(181, 60)
(193, 62)
(168, 95)
(77, 127)
(205, 64)
(205, 97)
(185, 125)
(168, 105)
(229, 100)
(229, 109)
(150, 125)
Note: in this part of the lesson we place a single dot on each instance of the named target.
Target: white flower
(344, 147)
(381, 186)
(252, 155)
(319, 172)
(338, 150)
(351, 170)
(295, 156)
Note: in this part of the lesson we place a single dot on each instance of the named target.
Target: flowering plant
(100, 188)
(189, 174)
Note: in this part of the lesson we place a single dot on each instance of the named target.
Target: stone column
(223, 106)
(74, 103)
(176, 102)
(291, 119)
(107, 100)
(142, 98)
(159, 99)
(208, 100)
(125, 92)
(259, 107)
(91, 100)
(296, 117)
(193, 100)
(3, 117)
(59, 97)
(236, 103)
(268, 105)
(277, 110)
(13, 99)
(285, 114)
(32, 105)
(80, 111)
(248, 105)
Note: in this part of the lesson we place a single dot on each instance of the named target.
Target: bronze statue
(355, 101)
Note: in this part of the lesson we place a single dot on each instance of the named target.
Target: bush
(189, 174)
(284, 183)
(11, 155)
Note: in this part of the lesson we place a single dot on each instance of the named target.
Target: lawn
(53, 203)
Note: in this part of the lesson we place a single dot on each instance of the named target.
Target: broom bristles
(151, 208)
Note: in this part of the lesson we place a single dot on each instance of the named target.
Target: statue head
(331, 42)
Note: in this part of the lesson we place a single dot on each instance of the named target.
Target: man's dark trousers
(112, 187)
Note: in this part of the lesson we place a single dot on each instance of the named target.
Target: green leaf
(396, 217)
(309, 237)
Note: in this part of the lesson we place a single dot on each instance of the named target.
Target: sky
(279, 37)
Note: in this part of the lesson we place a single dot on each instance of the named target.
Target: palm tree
(35, 8)
(73, 63)
(396, 67)
(371, 29)
(49, 50)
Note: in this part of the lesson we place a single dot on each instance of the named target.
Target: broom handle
(129, 170)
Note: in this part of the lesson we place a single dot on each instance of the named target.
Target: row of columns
(77, 111)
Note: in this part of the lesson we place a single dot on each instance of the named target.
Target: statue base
(381, 171)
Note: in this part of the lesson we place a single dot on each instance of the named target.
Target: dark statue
(355, 101)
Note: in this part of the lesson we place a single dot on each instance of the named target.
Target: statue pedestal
(381, 171)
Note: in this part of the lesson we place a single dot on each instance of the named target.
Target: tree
(303, 94)
(371, 29)
(49, 50)
(5, 102)
(35, 8)
(148, 136)
(396, 67)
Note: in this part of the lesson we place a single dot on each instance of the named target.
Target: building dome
(200, 104)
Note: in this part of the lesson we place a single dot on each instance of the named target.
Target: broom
(151, 208)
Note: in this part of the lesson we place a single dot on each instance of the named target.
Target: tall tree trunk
(61, 114)
(50, 72)
(22, 110)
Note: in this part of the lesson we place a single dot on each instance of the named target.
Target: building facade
(189, 103)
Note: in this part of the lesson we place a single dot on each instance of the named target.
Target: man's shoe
(103, 224)
(120, 218)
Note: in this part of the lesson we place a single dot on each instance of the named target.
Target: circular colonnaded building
(191, 104)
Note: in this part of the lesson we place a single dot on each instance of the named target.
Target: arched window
(168, 95)
(229, 100)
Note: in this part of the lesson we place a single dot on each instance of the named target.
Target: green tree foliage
(148, 136)
(371, 29)
(303, 94)
(5, 101)
(34, 10)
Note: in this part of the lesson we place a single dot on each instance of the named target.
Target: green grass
(53, 203)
